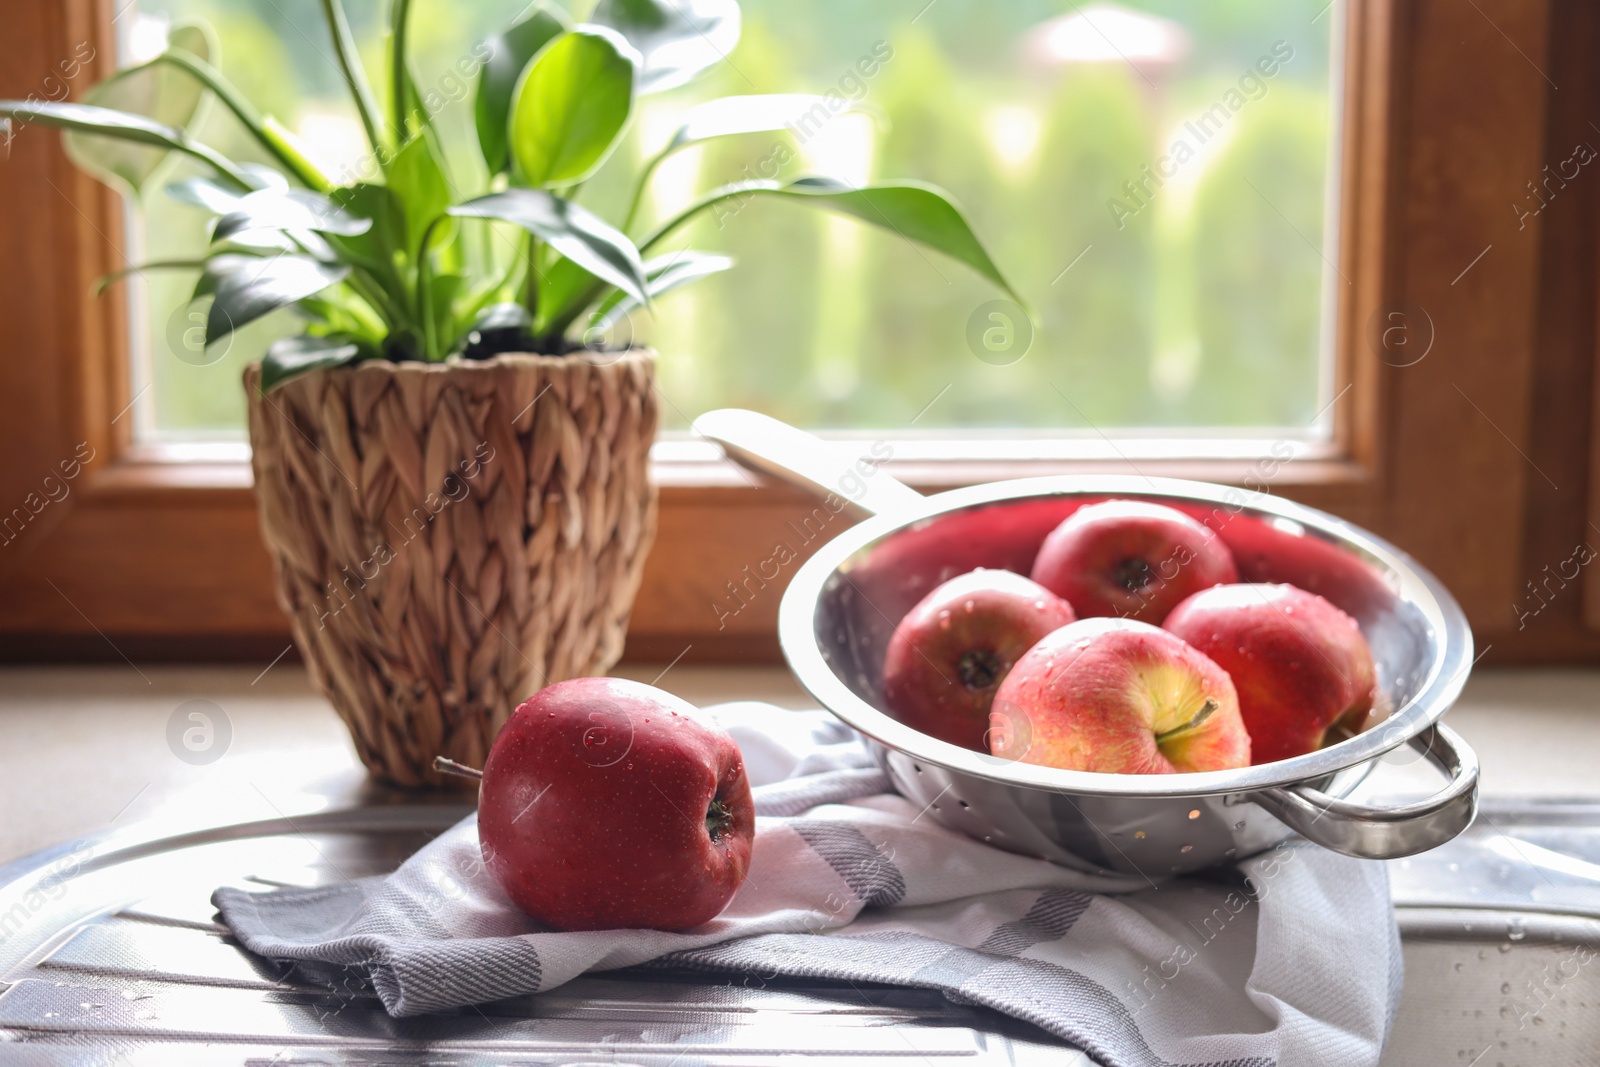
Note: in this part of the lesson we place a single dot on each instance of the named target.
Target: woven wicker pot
(448, 538)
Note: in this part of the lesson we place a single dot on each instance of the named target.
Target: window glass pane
(1153, 176)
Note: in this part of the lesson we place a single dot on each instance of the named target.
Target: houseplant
(454, 489)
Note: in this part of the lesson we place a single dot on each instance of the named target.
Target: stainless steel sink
(1502, 941)
(108, 955)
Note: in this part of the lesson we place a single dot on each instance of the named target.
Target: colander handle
(848, 469)
(1376, 833)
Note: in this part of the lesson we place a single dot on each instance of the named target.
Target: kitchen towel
(1290, 958)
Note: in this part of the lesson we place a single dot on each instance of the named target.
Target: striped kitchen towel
(1292, 957)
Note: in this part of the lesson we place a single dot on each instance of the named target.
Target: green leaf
(918, 212)
(205, 193)
(375, 247)
(417, 177)
(290, 209)
(294, 356)
(244, 288)
(509, 55)
(124, 126)
(677, 38)
(156, 90)
(561, 287)
(662, 275)
(764, 113)
(571, 105)
(582, 237)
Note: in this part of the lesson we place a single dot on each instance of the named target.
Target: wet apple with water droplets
(1299, 663)
(1119, 696)
(1131, 559)
(950, 653)
(609, 804)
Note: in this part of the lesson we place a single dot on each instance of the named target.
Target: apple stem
(1199, 717)
(445, 765)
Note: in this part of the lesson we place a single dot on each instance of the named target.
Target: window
(1153, 176)
(1421, 125)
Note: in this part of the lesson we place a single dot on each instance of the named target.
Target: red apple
(1131, 559)
(949, 654)
(609, 804)
(1122, 697)
(1299, 663)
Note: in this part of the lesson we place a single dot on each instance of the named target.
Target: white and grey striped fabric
(1291, 958)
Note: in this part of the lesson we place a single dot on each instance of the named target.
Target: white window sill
(87, 746)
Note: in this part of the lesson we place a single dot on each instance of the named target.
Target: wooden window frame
(1449, 109)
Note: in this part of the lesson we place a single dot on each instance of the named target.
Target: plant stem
(430, 340)
(716, 196)
(247, 115)
(400, 15)
(531, 300)
(350, 63)
(106, 282)
(638, 190)
(218, 162)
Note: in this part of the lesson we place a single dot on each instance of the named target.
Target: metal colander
(843, 603)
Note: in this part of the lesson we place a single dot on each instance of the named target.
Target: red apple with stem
(610, 804)
(1121, 697)
(1131, 559)
(1299, 663)
(949, 654)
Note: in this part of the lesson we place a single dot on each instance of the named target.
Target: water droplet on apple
(1186, 848)
(968, 607)
(630, 766)
(1039, 605)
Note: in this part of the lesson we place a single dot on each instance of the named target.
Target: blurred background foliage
(1204, 309)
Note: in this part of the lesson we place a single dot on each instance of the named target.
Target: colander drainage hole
(964, 804)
